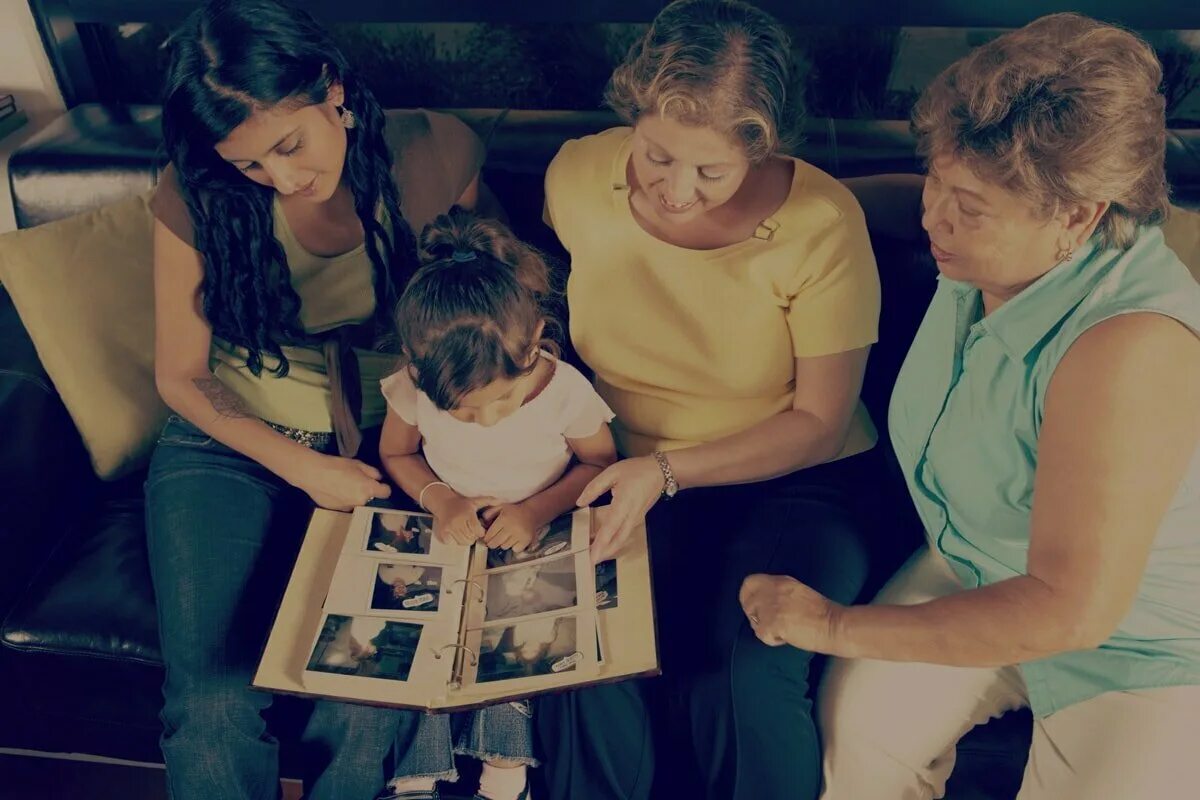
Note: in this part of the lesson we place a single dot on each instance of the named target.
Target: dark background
(862, 59)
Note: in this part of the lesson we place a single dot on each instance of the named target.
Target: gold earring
(1066, 254)
(347, 117)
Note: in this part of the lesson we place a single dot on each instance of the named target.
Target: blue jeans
(222, 535)
(502, 732)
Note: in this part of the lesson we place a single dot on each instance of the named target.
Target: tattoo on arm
(227, 403)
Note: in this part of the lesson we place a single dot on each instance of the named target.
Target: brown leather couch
(80, 669)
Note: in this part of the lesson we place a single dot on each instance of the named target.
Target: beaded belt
(316, 440)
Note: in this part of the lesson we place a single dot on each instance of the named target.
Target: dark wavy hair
(470, 315)
(229, 59)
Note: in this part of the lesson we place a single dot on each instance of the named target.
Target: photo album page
(398, 618)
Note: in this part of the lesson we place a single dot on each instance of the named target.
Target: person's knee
(220, 710)
(371, 730)
(856, 727)
(767, 679)
(754, 681)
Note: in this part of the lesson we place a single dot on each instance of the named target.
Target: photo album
(379, 611)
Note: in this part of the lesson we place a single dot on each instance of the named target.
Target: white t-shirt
(517, 457)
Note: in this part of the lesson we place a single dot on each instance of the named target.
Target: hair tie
(462, 256)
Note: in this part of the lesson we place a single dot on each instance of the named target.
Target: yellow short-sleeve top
(689, 346)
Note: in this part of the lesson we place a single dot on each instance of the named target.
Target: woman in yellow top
(282, 239)
(726, 296)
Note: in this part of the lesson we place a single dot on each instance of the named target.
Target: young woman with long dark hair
(283, 239)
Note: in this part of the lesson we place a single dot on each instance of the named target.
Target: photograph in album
(406, 587)
(379, 610)
(533, 587)
(544, 646)
(366, 647)
(399, 533)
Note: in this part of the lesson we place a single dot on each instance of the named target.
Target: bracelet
(670, 486)
(427, 487)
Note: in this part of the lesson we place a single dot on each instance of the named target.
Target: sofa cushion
(83, 287)
(94, 597)
(41, 458)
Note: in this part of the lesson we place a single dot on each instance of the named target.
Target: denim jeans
(500, 732)
(222, 534)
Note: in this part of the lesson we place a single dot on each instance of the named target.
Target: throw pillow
(84, 289)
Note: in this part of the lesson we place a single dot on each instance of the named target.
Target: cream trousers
(890, 728)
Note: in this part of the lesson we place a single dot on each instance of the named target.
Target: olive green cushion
(84, 289)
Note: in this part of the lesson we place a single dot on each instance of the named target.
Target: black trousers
(730, 718)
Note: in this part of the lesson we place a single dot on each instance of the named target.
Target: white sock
(399, 785)
(502, 783)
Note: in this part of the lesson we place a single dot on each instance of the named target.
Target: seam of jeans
(214, 470)
(179, 440)
(192, 436)
(151, 549)
(164, 728)
(162, 690)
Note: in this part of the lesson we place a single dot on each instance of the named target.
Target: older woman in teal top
(1047, 419)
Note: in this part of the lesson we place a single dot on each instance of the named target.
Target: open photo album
(379, 611)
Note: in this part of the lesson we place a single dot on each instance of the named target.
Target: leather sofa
(80, 669)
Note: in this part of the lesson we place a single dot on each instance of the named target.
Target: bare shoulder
(1140, 334)
(1134, 352)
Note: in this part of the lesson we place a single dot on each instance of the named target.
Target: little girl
(495, 437)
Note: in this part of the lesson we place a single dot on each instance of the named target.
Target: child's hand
(511, 526)
(456, 518)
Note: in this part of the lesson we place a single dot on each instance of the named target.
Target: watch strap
(670, 486)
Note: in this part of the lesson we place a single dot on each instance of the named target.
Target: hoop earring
(347, 117)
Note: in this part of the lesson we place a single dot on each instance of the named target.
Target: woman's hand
(339, 483)
(456, 518)
(510, 526)
(636, 484)
(782, 610)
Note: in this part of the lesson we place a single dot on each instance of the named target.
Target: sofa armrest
(46, 479)
(88, 157)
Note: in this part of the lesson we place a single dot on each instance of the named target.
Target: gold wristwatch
(670, 487)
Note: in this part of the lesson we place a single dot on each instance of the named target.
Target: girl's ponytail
(476, 311)
(459, 235)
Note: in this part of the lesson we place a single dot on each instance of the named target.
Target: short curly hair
(1064, 110)
(720, 63)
